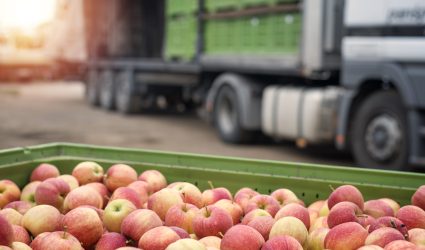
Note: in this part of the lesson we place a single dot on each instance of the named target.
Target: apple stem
(331, 187)
(106, 197)
(221, 234)
(211, 184)
(362, 216)
(65, 229)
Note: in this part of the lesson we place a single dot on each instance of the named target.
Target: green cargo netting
(181, 37)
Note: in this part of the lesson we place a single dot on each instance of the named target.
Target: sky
(25, 14)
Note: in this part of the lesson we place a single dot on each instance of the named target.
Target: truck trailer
(346, 72)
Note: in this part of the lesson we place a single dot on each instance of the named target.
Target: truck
(345, 72)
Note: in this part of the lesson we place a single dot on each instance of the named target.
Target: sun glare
(25, 14)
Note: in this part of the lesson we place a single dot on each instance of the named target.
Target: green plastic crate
(254, 3)
(181, 37)
(309, 181)
(181, 7)
(213, 6)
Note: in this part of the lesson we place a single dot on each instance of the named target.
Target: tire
(92, 88)
(227, 117)
(107, 90)
(127, 101)
(379, 137)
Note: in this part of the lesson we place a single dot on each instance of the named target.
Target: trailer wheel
(92, 88)
(379, 137)
(107, 90)
(227, 117)
(127, 101)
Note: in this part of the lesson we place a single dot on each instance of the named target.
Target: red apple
(21, 234)
(418, 198)
(42, 218)
(346, 193)
(324, 211)
(211, 241)
(139, 222)
(83, 195)
(265, 202)
(191, 194)
(20, 206)
(211, 196)
(71, 180)
(128, 248)
(28, 192)
(316, 239)
(313, 216)
(5, 248)
(295, 210)
(349, 235)
(388, 221)
(119, 175)
(253, 214)
(392, 203)
(412, 216)
(321, 222)
(211, 221)
(20, 246)
(290, 226)
(58, 240)
(87, 172)
(401, 245)
(52, 192)
(366, 221)
(84, 224)
(37, 240)
(6, 232)
(115, 213)
(241, 237)
(142, 188)
(417, 236)
(183, 234)
(284, 196)
(186, 244)
(8, 192)
(102, 190)
(371, 247)
(232, 208)
(158, 238)
(263, 224)
(43, 172)
(181, 215)
(317, 205)
(111, 241)
(243, 196)
(155, 179)
(11, 215)
(163, 200)
(342, 212)
(378, 208)
(382, 236)
(128, 194)
(282, 242)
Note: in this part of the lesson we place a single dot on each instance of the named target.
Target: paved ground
(35, 113)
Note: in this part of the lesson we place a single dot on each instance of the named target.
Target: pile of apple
(121, 210)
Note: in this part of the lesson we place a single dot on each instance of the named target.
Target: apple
(11, 215)
(263, 224)
(191, 194)
(417, 236)
(393, 204)
(321, 222)
(317, 205)
(378, 208)
(28, 192)
(265, 202)
(102, 190)
(163, 200)
(43, 172)
(71, 180)
(313, 215)
(371, 247)
(342, 212)
(282, 242)
(186, 244)
(241, 237)
(8, 192)
(295, 210)
(155, 179)
(253, 214)
(58, 240)
(388, 221)
(324, 211)
(349, 235)
(418, 198)
(232, 208)
(115, 213)
(6, 232)
(142, 188)
(158, 238)
(52, 192)
(211, 221)
(42, 218)
(128, 248)
(21, 234)
(346, 193)
(111, 241)
(290, 226)
(20, 246)
(211, 196)
(284, 196)
(316, 239)
(83, 195)
(20, 206)
(139, 222)
(211, 241)
(183, 234)
(87, 172)
(382, 236)
(84, 224)
(181, 215)
(36, 241)
(366, 220)
(412, 216)
(401, 245)
(5, 248)
(243, 196)
(127, 194)
(119, 175)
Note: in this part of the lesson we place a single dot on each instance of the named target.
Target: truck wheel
(379, 137)
(92, 88)
(126, 98)
(107, 90)
(227, 117)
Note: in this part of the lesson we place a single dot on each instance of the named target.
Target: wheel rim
(227, 115)
(383, 137)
